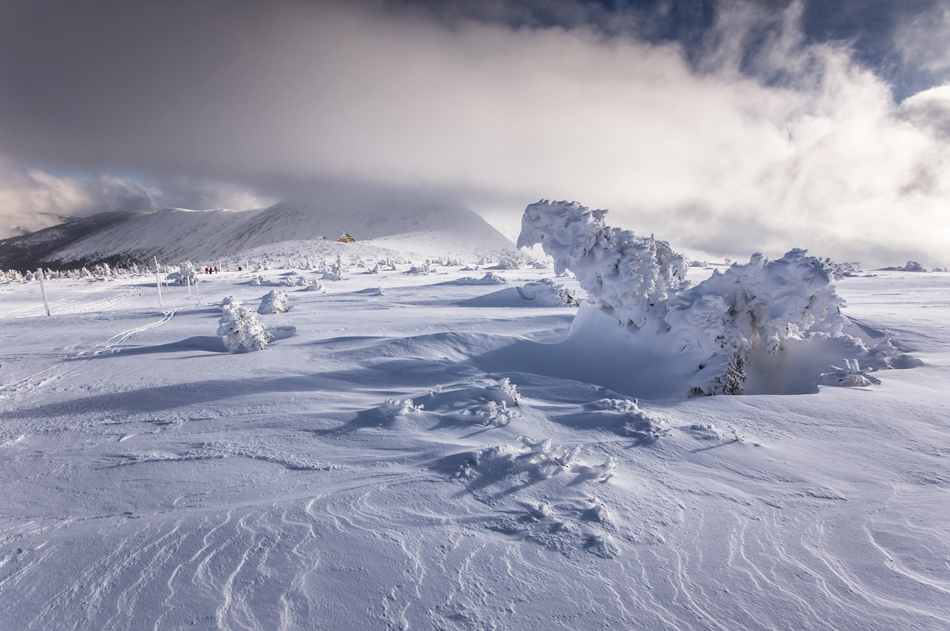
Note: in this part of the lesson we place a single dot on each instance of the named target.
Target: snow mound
(911, 266)
(631, 420)
(490, 278)
(776, 324)
(488, 403)
(240, 329)
(547, 293)
(274, 302)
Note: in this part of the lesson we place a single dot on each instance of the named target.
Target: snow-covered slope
(383, 464)
(31, 250)
(174, 234)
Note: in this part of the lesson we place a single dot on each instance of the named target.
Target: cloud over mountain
(747, 135)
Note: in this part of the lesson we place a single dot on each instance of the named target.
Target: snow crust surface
(414, 455)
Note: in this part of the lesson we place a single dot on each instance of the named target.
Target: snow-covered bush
(763, 303)
(295, 280)
(335, 271)
(240, 328)
(511, 262)
(630, 275)
(749, 312)
(419, 270)
(186, 273)
(547, 293)
(273, 302)
(315, 286)
(912, 266)
(846, 269)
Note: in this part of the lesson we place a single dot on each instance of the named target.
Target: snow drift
(763, 327)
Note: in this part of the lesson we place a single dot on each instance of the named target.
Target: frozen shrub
(630, 275)
(511, 262)
(749, 308)
(294, 280)
(240, 329)
(274, 302)
(186, 273)
(846, 269)
(419, 270)
(763, 303)
(335, 271)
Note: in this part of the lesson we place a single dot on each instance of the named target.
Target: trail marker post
(39, 271)
(158, 283)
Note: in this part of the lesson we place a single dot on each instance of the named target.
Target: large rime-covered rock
(746, 314)
(627, 274)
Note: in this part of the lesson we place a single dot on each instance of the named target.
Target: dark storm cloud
(772, 114)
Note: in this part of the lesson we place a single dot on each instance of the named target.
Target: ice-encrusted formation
(746, 313)
(628, 274)
(240, 329)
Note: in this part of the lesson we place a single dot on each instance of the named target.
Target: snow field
(408, 457)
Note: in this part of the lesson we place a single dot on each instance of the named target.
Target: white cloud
(31, 199)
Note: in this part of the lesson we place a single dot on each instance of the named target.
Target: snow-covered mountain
(175, 234)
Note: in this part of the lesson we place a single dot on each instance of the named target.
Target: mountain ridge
(175, 234)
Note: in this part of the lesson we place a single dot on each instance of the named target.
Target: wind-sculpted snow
(723, 325)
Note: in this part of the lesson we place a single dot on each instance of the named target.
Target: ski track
(63, 370)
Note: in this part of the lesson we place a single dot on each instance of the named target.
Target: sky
(724, 127)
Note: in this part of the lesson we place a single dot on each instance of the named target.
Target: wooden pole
(43, 290)
(158, 283)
